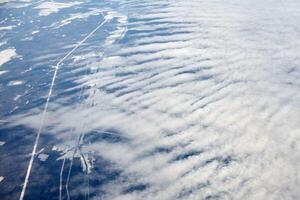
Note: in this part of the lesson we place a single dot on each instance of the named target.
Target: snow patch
(43, 157)
(17, 97)
(76, 16)
(6, 28)
(4, 1)
(34, 32)
(3, 72)
(6, 55)
(48, 8)
(13, 83)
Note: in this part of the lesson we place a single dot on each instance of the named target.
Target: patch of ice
(17, 97)
(43, 157)
(14, 109)
(6, 55)
(16, 4)
(6, 28)
(2, 43)
(76, 16)
(87, 56)
(4, 1)
(55, 148)
(47, 8)
(27, 70)
(60, 148)
(16, 82)
(27, 38)
(3, 72)
(34, 32)
(2, 143)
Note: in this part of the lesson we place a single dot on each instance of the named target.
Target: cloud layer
(188, 100)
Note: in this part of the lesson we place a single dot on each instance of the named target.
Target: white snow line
(46, 108)
(60, 178)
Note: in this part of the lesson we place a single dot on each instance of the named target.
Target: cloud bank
(190, 100)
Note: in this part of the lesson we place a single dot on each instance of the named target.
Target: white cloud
(203, 98)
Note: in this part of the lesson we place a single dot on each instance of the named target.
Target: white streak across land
(33, 154)
(61, 178)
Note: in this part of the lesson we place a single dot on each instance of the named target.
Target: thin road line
(70, 168)
(60, 178)
(46, 108)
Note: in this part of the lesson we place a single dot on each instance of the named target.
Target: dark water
(163, 100)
